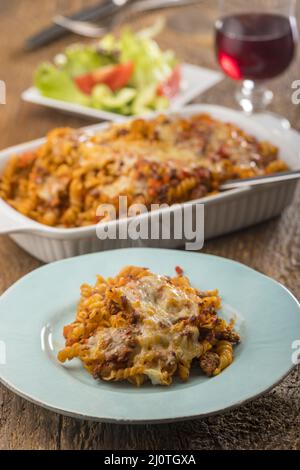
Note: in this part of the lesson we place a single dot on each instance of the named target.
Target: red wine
(255, 46)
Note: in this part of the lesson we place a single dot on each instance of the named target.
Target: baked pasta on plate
(142, 326)
(159, 332)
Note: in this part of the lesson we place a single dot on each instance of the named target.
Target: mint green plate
(34, 310)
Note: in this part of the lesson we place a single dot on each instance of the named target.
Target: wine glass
(255, 42)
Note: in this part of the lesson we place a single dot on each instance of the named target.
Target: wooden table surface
(270, 422)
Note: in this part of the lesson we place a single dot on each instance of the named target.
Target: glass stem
(253, 96)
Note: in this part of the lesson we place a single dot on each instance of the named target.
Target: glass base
(253, 97)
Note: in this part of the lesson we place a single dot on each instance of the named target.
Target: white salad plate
(195, 80)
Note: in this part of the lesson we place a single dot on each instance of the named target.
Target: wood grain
(270, 422)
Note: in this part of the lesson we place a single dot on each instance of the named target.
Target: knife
(55, 31)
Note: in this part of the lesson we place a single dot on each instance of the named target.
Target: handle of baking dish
(10, 225)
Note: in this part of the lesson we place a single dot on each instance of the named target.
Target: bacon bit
(154, 183)
(224, 152)
(179, 270)
(124, 301)
(152, 192)
(122, 132)
(67, 330)
(26, 158)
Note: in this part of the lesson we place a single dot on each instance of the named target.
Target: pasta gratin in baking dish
(162, 160)
(50, 188)
(142, 326)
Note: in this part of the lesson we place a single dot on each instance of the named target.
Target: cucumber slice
(104, 98)
(144, 100)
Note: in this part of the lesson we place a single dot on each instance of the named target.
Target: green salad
(127, 75)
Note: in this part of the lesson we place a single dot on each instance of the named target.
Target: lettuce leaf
(58, 85)
(80, 59)
(151, 64)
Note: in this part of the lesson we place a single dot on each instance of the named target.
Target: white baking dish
(224, 212)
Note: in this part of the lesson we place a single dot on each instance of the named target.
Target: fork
(91, 30)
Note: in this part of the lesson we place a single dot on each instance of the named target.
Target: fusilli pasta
(140, 326)
(163, 160)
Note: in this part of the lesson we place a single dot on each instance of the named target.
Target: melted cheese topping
(158, 300)
(160, 306)
(140, 324)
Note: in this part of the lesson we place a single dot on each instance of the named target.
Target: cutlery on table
(51, 33)
(88, 29)
(261, 180)
(80, 22)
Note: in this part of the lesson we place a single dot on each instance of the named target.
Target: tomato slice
(85, 83)
(114, 76)
(171, 86)
(179, 270)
